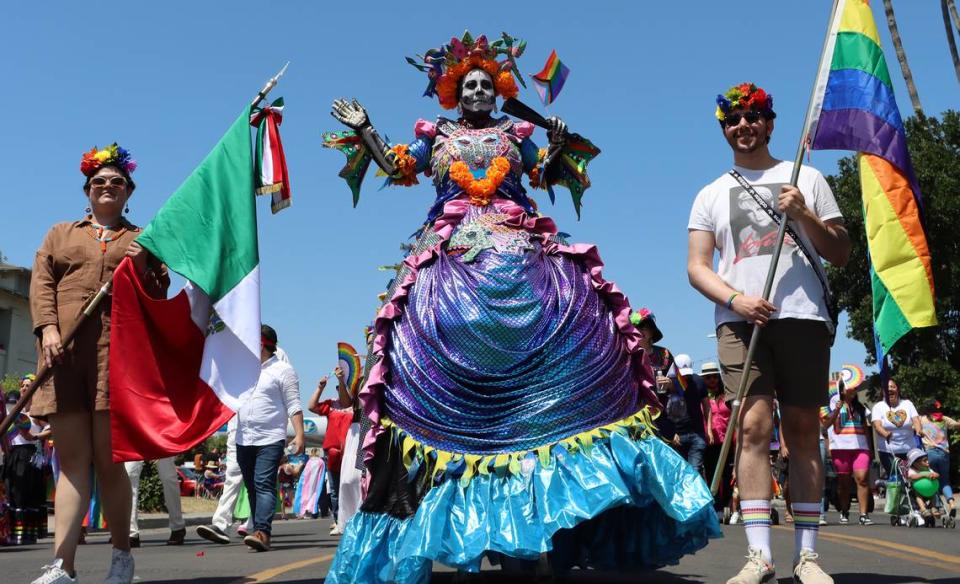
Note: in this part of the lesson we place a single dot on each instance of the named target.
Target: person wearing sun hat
(738, 215)
(74, 261)
(661, 360)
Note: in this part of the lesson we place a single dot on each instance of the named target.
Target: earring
(87, 210)
(495, 110)
(459, 109)
(126, 209)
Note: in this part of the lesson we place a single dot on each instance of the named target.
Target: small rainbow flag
(855, 109)
(550, 80)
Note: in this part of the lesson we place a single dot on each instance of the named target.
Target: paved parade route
(302, 553)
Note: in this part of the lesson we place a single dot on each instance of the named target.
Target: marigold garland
(406, 164)
(481, 190)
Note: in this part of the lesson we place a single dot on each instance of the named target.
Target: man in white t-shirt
(793, 355)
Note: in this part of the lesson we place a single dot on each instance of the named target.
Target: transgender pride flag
(854, 109)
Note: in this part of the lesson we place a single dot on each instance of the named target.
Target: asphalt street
(853, 554)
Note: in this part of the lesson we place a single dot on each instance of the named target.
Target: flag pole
(774, 260)
(269, 85)
(44, 372)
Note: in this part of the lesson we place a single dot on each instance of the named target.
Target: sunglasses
(113, 181)
(733, 118)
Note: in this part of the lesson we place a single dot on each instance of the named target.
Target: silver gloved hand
(350, 113)
(557, 133)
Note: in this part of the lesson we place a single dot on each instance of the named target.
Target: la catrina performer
(510, 405)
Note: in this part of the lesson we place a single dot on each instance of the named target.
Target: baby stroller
(902, 503)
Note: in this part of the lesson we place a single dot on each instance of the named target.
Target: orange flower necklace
(480, 190)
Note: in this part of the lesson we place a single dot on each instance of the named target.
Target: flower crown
(641, 315)
(94, 160)
(745, 96)
(446, 66)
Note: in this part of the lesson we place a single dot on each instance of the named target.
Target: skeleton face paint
(476, 92)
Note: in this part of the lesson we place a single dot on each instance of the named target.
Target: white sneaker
(121, 568)
(806, 571)
(55, 574)
(756, 570)
(735, 518)
(823, 519)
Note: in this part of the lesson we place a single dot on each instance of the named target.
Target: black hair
(269, 337)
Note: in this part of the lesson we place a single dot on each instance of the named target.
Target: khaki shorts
(792, 361)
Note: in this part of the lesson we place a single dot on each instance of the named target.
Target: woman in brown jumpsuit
(74, 261)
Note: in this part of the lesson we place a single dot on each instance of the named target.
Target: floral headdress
(446, 66)
(746, 96)
(94, 160)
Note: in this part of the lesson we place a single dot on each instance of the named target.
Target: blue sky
(166, 79)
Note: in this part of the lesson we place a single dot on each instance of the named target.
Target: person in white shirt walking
(262, 434)
(218, 530)
(167, 472)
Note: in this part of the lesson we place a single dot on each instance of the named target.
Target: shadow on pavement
(867, 578)
(577, 576)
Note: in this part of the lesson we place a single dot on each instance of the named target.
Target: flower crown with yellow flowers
(94, 160)
(446, 66)
(746, 96)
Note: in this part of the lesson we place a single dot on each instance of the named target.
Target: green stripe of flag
(856, 51)
(207, 230)
(889, 321)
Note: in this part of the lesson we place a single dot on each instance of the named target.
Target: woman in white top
(897, 425)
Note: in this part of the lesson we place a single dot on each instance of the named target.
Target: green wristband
(730, 300)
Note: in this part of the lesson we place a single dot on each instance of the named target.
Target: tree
(926, 361)
(902, 56)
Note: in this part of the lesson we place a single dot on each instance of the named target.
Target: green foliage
(10, 383)
(926, 361)
(218, 441)
(151, 489)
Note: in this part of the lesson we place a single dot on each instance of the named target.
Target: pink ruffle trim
(453, 213)
(425, 129)
(523, 129)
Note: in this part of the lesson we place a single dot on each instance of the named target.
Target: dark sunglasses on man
(733, 118)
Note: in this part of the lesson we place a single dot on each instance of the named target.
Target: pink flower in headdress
(480, 46)
(457, 49)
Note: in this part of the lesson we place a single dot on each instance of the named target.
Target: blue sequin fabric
(503, 347)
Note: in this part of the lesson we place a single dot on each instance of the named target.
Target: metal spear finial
(269, 85)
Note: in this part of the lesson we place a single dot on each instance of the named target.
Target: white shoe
(756, 570)
(55, 574)
(823, 519)
(807, 571)
(121, 568)
(735, 518)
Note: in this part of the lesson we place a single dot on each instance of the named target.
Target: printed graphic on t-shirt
(897, 417)
(754, 231)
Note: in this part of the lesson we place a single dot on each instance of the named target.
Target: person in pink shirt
(718, 418)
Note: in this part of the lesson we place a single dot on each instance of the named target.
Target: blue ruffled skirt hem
(624, 504)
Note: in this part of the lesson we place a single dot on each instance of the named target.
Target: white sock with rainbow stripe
(806, 526)
(756, 522)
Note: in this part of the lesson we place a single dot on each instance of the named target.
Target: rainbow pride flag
(550, 80)
(854, 109)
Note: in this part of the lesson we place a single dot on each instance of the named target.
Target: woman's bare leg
(113, 482)
(73, 436)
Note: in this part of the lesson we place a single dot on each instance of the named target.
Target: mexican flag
(180, 368)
